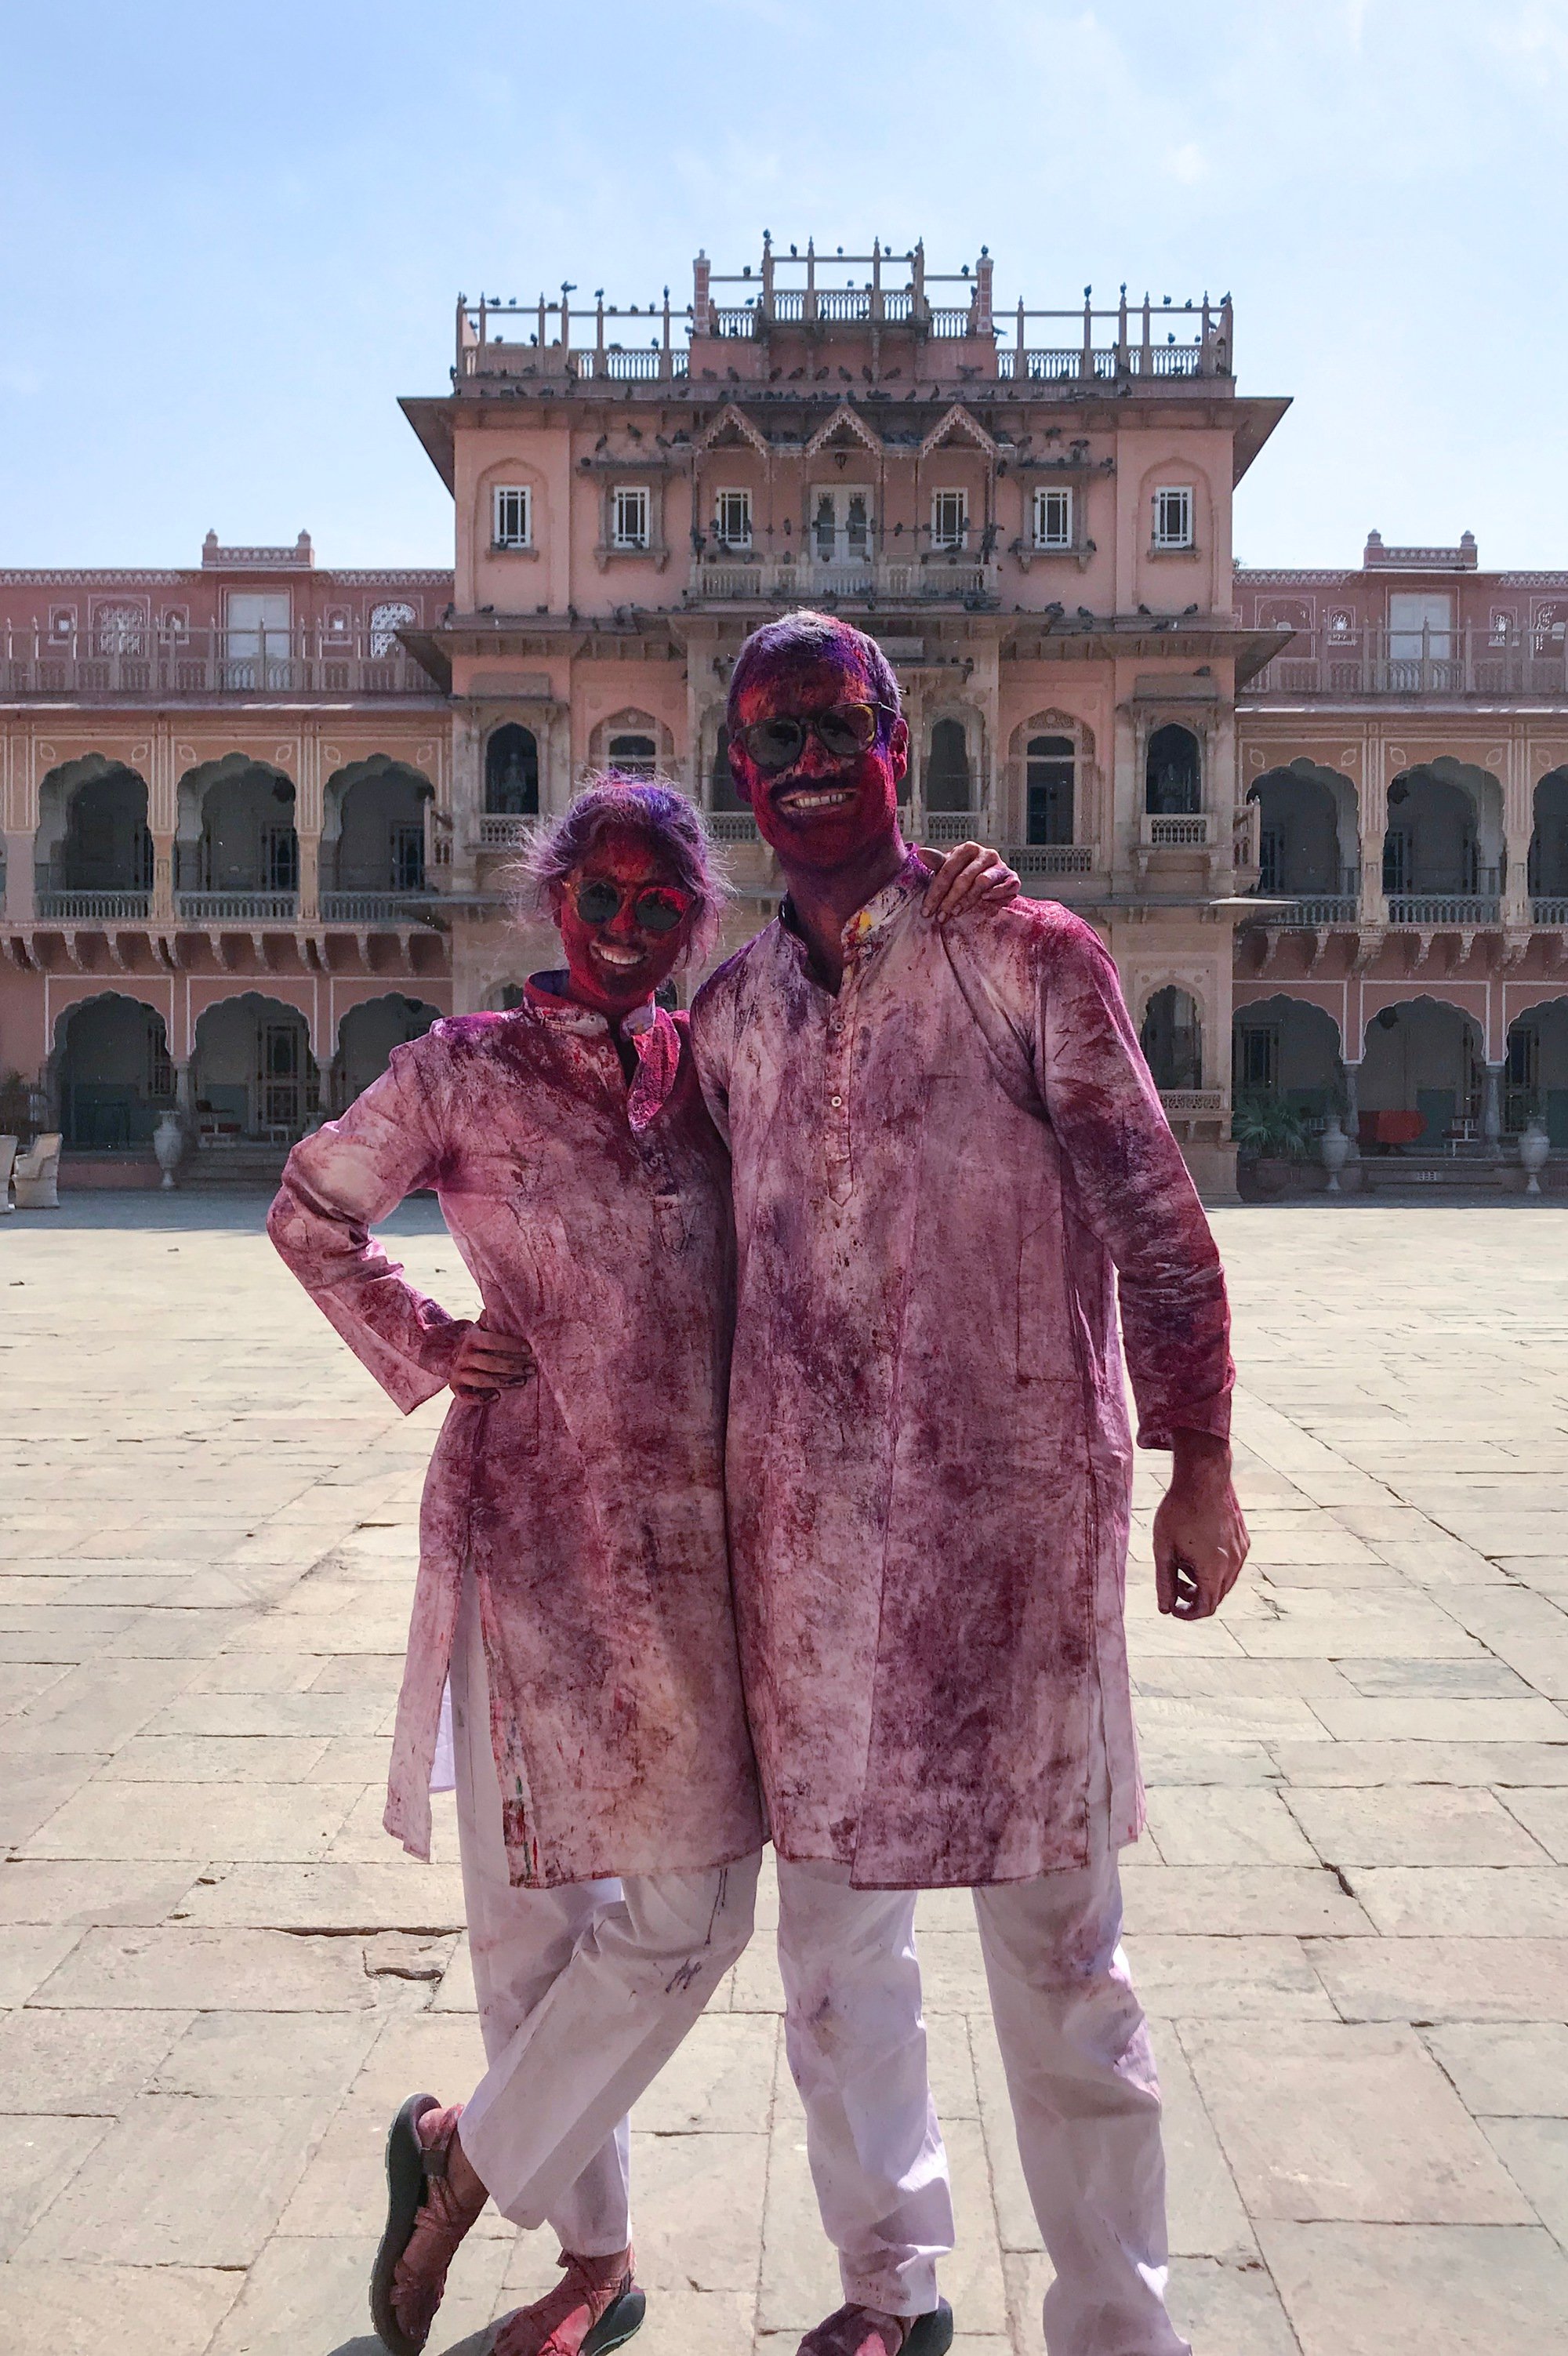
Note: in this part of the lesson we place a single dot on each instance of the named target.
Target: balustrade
(375, 907)
(1466, 658)
(1048, 859)
(148, 660)
(237, 907)
(1175, 829)
(927, 580)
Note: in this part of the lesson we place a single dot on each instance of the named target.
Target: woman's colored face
(612, 911)
(824, 811)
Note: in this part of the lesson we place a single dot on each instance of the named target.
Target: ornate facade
(258, 814)
(1407, 753)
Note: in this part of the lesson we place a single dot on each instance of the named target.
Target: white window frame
(950, 535)
(511, 515)
(629, 500)
(1173, 520)
(732, 518)
(1059, 496)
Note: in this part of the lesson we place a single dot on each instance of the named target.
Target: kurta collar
(870, 921)
(545, 995)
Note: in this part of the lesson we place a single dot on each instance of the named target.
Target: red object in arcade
(1389, 1129)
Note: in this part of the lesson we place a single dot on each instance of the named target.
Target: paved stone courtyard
(1349, 1920)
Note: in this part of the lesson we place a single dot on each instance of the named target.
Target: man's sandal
(552, 2325)
(853, 2330)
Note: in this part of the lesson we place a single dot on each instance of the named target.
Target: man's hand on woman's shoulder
(972, 875)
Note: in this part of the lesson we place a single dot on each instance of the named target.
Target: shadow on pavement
(237, 1210)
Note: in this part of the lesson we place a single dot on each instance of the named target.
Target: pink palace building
(258, 814)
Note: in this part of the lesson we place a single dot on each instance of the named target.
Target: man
(946, 1149)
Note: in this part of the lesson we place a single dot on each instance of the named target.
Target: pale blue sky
(229, 237)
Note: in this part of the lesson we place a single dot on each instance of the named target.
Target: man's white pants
(584, 1992)
(1080, 2076)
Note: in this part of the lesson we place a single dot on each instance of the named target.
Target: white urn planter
(168, 1144)
(1533, 1148)
(1335, 1148)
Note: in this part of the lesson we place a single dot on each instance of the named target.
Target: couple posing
(805, 1520)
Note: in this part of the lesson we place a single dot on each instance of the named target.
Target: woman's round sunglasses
(653, 909)
(775, 745)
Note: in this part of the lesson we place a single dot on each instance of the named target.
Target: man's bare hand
(1200, 1538)
(487, 1364)
(972, 875)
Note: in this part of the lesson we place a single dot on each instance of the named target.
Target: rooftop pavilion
(807, 321)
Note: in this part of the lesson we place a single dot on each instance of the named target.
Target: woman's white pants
(583, 1993)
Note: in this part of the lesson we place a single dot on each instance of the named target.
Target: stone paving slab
(1349, 1919)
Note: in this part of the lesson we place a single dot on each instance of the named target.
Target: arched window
(633, 756)
(1049, 769)
(511, 773)
(947, 770)
(1173, 778)
(1172, 1041)
(722, 792)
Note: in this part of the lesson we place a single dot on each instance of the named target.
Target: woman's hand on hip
(487, 1364)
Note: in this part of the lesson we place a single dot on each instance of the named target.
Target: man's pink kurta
(938, 1175)
(594, 1221)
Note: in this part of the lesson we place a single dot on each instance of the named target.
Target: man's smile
(806, 801)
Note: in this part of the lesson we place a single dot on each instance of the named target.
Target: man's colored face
(825, 810)
(617, 956)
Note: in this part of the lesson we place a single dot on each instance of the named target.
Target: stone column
(309, 879)
(163, 876)
(1492, 1107)
(20, 902)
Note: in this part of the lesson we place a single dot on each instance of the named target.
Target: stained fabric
(594, 1218)
(941, 1175)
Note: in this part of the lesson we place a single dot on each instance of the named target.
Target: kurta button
(835, 1100)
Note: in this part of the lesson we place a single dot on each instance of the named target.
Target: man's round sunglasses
(775, 745)
(653, 909)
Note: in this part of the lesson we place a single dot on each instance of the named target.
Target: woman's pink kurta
(594, 1221)
(938, 1175)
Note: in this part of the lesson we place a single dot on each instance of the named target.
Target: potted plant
(1270, 1135)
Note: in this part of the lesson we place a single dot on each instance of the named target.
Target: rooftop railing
(497, 337)
(1464, 658)
(155, 661)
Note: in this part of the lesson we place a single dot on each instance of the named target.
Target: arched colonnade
(254, 1073)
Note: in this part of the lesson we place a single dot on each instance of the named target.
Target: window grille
(732, 519)
(513, 516)
(386, 621)
(1173, 517)
(950, 519)
(628, 517)
(1053, 519)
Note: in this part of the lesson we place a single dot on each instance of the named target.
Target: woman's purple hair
(808, 636)
(668, 819)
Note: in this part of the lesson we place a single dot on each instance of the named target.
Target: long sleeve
(336, 1183)
(1134, 1190)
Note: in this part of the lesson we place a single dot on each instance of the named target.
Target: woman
(573, 1578)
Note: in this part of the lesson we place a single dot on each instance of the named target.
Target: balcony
(1046, 861)
(511, 834)
(869, 580)
(1313, 910)
(237, 907)
(150, 661)
(376, 907)
(733, 826)
(94, 907)
(1549, 912)
(1429, 908)
(1176, 830)
(1370, 659)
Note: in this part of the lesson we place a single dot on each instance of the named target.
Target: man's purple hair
(806, 637)
(673, 827)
